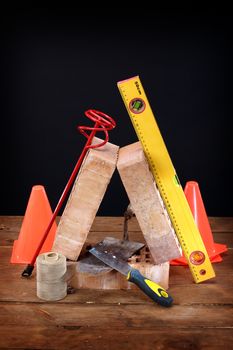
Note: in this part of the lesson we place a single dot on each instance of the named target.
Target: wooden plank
(102, 223)
(221, 224)
(84, 338)
(186, 294)
(116, 316)
(224, 238)
(109, 224)
(85, 198)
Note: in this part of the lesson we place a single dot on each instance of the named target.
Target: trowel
(122, 248)
(114, 257)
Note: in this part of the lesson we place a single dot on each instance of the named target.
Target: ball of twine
(51, 276)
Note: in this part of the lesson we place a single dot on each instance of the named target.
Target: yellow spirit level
(165, 176)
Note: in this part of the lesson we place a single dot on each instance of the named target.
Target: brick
(83, 276)
(147, 204)
(85, 198)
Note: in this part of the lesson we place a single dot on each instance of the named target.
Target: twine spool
(51, 276)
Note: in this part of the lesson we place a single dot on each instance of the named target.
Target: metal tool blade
(121, 248)
(111, 260)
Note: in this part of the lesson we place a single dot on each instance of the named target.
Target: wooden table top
(200, 318)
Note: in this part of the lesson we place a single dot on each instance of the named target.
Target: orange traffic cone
(193, 195)
(36, 218)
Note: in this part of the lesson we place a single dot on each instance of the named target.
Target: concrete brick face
(147, 204)
(85, 198)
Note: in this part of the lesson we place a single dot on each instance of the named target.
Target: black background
(58, 62)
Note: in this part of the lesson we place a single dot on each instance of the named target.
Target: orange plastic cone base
(193, 195)
(36, 219)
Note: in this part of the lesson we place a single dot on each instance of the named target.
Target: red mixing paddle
(103, 123)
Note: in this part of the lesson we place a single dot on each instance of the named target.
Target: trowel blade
(121, 248)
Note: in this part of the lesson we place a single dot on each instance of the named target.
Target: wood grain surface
(201, 317)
